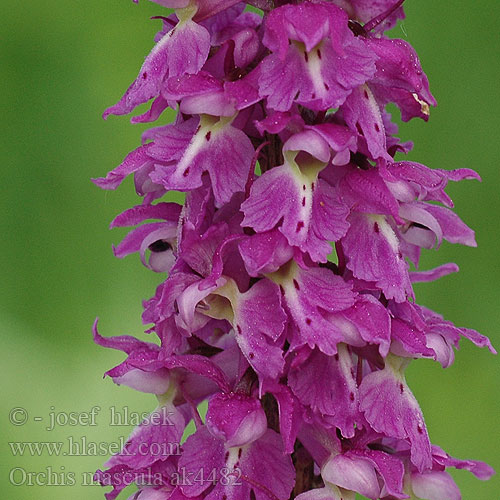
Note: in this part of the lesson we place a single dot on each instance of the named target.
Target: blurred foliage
(62, 63)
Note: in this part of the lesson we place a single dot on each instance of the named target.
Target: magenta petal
(309, 294)
(266, 464)
(171, 141)
(265, 252)
(372, 321)
(277, 121)
(281, 80)
(433, 274)
(209, 8)
(362, 113)
(260, 309)
(477, 339)
(460, 174)
(436, 325)
(156, 438)
(310, 142)
(373, 254)
(155, 382)
(261, 466)
(480, 469)
(140, 213)
(222, 150)
(243, 93)
(201, 453)
(236, 418)
(352, 473)
(390, 408)
(272, 197)
(338, 137)
(168, 57)
(157, 107)
(216, 103)
(336, 396)
(125, 343)
(142, 237)
(134, 161)
(328, 492)
(342, 74)
(328, 221)
(188, 301)
(367, 192)
(119, 477)
(435, 485)
(176, 88)
(258, 321)
(398, 67)
(412, 340)
(454, 230)
(318, 80)
(390, 468)
(290, 413)
(324, 289)
(199, 365)
(366, 10)
(163, 305)
(197, 250)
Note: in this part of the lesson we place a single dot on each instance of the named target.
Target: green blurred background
(62, 63)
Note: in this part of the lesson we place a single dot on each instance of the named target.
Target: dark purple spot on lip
(144, 75)
(251, 355)
(296, 284)
(304, 201)
(336, 357)
(419, 429)
(226, 456)
(312, 186)
(359, 129)
(282, 290)
(400, 255)
(326, 86)
(208, 135)
(366, 95)
(401, 388)
(240, 451)
(308, 321)
(313, 95)
(303, 187)
(238, 328)
(351, 396)
(186, 172)
(306, 56)
(376, 228)
(319, 54)
(300, 225)
(377, 128)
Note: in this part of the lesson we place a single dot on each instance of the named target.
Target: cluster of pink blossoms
(288, 301)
